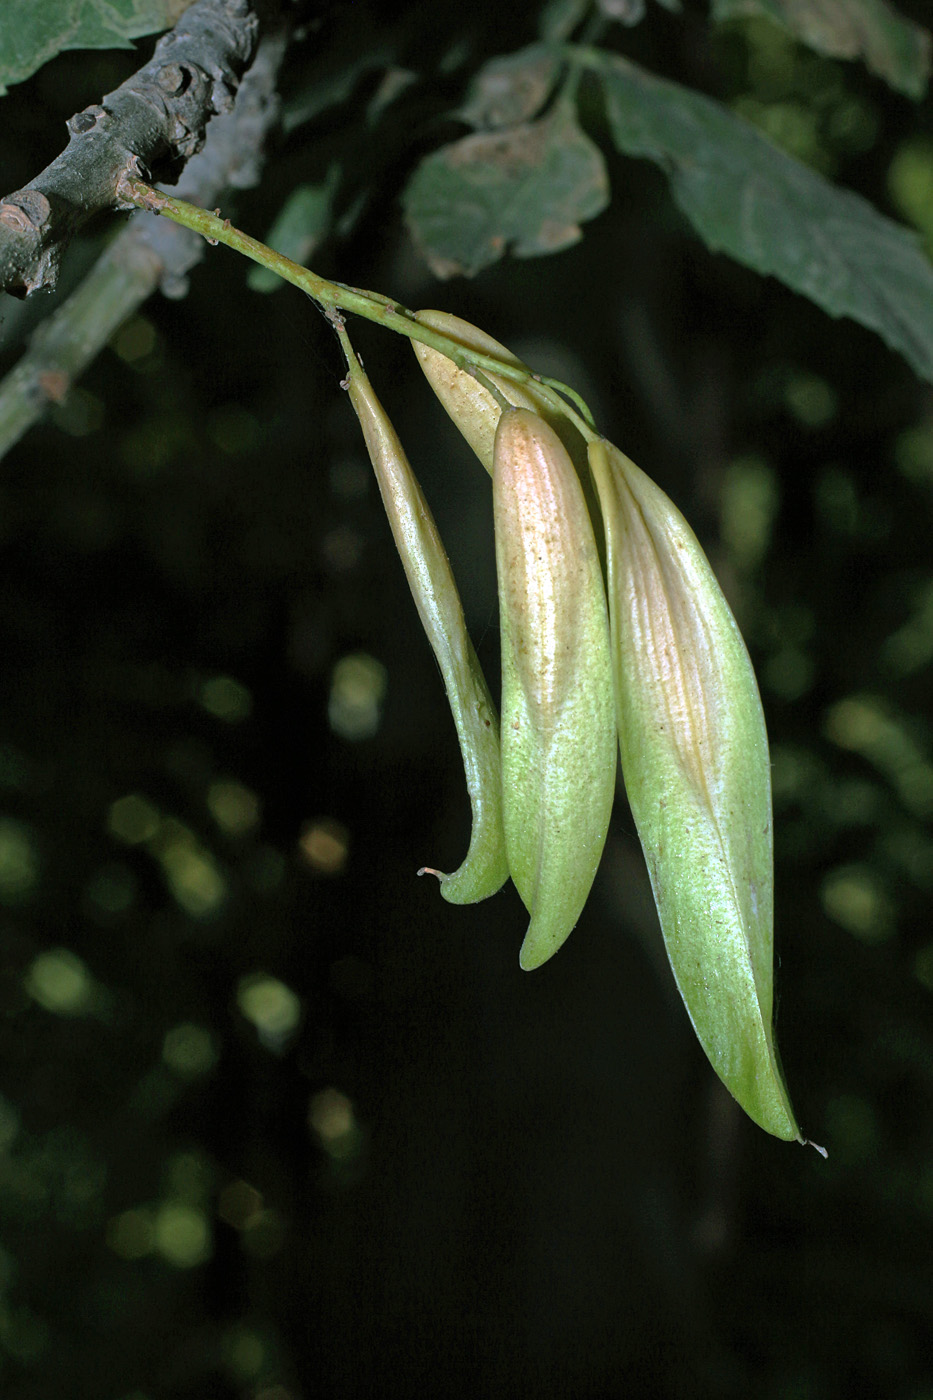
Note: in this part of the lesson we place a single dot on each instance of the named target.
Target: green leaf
(627, 12)
(356, 57)
(750, 200)
(895, 48)
(34, 31)
(528, 188)
(512, 88)
(559, 18)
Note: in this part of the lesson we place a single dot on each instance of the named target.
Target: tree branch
(156, 120)
(149, 253)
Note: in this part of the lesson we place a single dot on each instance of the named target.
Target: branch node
(25, 211)
(82, 122)
(174, 79)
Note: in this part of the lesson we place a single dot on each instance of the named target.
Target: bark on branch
(148, 254)
(149, 126)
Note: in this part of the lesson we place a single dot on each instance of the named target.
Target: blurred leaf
(627, 12)
(353, 57)
(510, 89)
(529, 187)
(395, 82)
(303, 221)
(559, 18)
(892, 46)
(33, 31)
(748, 199)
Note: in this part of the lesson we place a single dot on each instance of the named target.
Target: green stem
(349, 353)
(593, 31)
(336, 296)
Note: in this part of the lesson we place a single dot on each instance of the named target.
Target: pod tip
(530, 958)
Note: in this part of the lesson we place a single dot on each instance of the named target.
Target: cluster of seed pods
(627, 640)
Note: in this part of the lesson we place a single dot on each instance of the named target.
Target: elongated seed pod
(696, 769)
(470, 404)
(558, 723)
(435, 593)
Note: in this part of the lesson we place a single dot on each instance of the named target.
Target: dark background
(275, 1121)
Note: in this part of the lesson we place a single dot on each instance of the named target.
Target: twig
(155, 120)
(338, 296)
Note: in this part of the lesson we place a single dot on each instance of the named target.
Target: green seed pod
(696, 769)
(558, 724)
(435, 593)
(470, 404)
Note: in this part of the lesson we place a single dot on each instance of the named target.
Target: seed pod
(435, 593)
(696, 769)
(558, 725)
(470, 404)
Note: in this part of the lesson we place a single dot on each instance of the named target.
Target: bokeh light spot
(240, 1205)
(853, 897)
(273, 1008)
(182, 1235)
(226, 699)
(189, 1050)
(133, 819)
(910, 182)
(235, 809)
(913, 454)
(333, 1122)
(59, 981)
(863, 724)
(245, 1352)
(341, 549)
(131, 1234)
(191, 871)
(810, 400)
(324, 845)
(749, 504)
(910, 648)
(19, 862)
(357, 691)
(135, 341)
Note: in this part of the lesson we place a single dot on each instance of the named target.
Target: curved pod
(432, 584)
